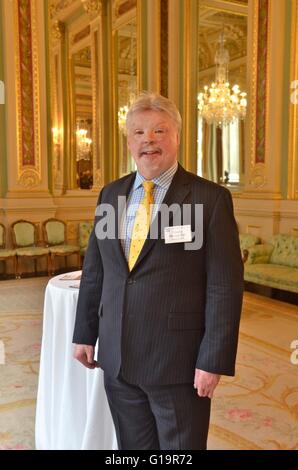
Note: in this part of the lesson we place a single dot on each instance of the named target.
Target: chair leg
(17, 267)
(52, 264)
(49, 264)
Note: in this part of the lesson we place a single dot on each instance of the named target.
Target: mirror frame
(120, 19)
(256, 122)
(73, 24)
(242, 10)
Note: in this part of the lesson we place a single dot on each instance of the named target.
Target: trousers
(168, 417)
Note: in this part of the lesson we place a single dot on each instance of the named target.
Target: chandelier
(83, 147)
(219, 104)
(122, 113)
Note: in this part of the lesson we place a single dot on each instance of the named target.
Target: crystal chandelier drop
(219, 104)
(83, 147)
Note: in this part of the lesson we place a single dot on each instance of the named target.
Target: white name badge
(178, 234)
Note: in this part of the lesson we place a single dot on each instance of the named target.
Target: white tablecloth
(72, 409)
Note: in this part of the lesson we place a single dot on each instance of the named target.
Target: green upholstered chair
(85, 229)
(24, 237)
(247, 240)
(54, 231)
(6, 254)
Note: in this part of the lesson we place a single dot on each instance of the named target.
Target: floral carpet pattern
(256, 409)
(21, 304)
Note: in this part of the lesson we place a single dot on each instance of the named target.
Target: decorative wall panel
(27, 94)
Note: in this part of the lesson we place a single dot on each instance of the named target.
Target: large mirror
(83, 117)
(76, 63)
(125, 81)
(222, 39)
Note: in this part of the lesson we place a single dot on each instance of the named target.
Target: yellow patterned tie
(141, 224)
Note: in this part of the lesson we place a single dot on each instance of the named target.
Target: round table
(72, 410)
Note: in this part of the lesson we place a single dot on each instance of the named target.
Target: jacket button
(131, 281)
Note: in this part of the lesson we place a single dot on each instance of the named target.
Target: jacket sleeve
(224, 290)
(86, 323)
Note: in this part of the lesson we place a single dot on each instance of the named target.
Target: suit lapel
(177, 192)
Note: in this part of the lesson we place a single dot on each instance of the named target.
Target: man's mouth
(150, 152)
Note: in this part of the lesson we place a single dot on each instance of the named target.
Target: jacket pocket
(100, 311)
(184, 321)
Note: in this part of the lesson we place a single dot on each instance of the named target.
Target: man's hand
(205, 383)
(85, 354)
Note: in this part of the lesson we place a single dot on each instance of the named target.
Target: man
(166, 313)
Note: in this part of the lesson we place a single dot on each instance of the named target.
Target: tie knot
(148, 186)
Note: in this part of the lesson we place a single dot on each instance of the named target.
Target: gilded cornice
(56, 6)
(92, 7)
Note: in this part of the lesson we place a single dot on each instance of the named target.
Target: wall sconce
(56, 133)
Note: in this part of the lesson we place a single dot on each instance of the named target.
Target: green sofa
(274, 264)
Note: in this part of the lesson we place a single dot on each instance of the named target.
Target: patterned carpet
(257, 409)
(21, 304)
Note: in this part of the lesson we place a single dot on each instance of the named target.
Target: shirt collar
(164, 180)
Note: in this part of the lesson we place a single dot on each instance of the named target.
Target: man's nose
(149, 136)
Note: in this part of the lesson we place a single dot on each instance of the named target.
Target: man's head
(153, 132)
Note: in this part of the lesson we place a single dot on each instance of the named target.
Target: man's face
(153, 141)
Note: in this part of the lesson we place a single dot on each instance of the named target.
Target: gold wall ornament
(57, 6)
(258, 178)
(259, 91)
(27, 93)
(262, 76)
(57, 29)
(29, 179)
(92, 7)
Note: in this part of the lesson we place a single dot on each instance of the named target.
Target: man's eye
(139, 132)
(159, 131)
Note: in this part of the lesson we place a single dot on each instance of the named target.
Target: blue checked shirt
(161, 185)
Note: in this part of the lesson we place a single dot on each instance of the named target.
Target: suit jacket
(176, 310)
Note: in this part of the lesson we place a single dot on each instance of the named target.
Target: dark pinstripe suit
(176, 310)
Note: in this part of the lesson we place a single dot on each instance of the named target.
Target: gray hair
(149, 101)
